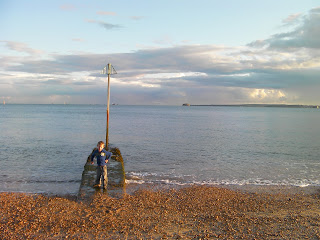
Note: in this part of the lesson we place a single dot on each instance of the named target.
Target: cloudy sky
(165, 52)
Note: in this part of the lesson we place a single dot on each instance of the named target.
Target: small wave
(141, 178)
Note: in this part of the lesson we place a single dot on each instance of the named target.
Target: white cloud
(78, 40)
(137, 17)
(268, 95)
(292, 19)
(67, 7)
(21, 47)
(171, 75)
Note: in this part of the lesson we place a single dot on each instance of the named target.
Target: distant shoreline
(255, 105)
(185, 104)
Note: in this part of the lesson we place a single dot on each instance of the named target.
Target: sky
(166, 52)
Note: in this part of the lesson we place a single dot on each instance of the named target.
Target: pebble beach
(194, 212)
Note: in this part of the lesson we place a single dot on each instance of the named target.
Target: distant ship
(186, 104)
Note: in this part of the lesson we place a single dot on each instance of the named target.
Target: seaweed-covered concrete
(116, 177)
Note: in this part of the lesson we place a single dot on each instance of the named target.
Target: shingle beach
(199, 212)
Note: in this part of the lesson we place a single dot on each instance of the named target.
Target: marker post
(108, 70)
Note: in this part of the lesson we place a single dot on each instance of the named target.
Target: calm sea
(43, 148)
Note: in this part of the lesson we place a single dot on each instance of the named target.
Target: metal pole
(108, 103)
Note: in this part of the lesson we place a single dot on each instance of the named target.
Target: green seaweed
(116, 154)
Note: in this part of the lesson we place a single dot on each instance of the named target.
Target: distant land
(253, 105)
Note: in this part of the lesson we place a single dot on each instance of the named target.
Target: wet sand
(198, 212)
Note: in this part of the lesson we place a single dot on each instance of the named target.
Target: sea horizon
(191, 105)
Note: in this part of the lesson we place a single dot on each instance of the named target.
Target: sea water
(43, 148)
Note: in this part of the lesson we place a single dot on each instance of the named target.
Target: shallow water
(44, 147)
